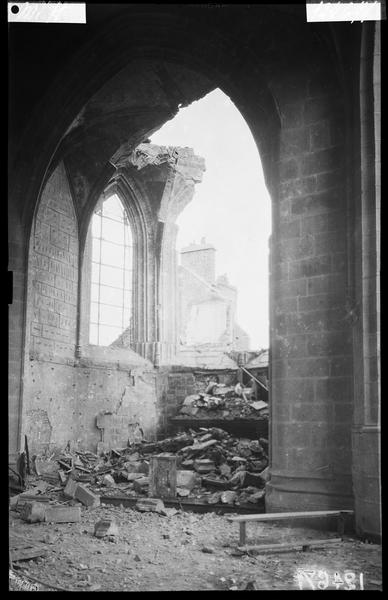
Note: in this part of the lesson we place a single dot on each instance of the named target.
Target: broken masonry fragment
(106, 527)
(87, 497)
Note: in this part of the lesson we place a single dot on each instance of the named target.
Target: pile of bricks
(212, 466)
(224, 402)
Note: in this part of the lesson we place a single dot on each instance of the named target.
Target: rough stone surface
(87, 497)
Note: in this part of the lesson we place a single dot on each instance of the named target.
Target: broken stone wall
(175, 385)
(103, 399)
(97, 406)
(201, 377)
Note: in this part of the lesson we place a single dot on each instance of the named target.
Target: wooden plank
(21, 548)
(290, 515)
(17, 540)
(290, 545)
(194, 504)
(20, 541)
(253, 377)
(18, 554)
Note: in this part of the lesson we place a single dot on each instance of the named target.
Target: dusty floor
(154, 552)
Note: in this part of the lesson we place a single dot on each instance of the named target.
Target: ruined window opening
(222, 295)
(111, 272)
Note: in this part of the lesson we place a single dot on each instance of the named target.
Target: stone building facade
(310, 94)
(207, 305)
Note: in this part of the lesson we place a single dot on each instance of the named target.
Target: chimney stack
(201, 259)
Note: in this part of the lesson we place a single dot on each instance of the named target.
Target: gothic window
(111, 272)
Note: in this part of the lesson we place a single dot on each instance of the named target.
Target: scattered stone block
(182, 492)
(186, 479)
(213, 483)
(14, 501)
(144, 467)
(140, 485)
(63, 514)
(258, 465)
(265, 475)
(40, 488)
(255, 447)
(239, 459)
(26, 498)
(150, 505)
(33, 512)
(137, 466)
(204, 465)
(108, 481)
(238, 479)
(70, 488)
(228, 497)
(62, 477)
(189, 400)
(259, 405)
(106, 527)
(225, 470)
(46, 467)
(256, 497)
(86, 497)
(132, 476)
(214, 498)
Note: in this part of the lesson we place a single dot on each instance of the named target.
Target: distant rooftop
(259, 361)
(202, 245)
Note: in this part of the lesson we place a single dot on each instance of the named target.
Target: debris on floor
(212, 466)
(222, 401)
(184, 551)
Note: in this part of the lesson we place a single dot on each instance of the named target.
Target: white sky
(231, 207)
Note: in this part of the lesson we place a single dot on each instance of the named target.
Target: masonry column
(311, 349)
(366, 328)
(16, 265)
(178, 193)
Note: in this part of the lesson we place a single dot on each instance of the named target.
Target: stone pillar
(366, 313)
(311, 344)
(168, 288)
(185, 172)
(17, 265)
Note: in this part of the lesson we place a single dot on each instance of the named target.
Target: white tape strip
(42, 12)
(343, 11)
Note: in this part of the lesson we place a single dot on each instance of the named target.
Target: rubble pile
(225, 402)
(212, 466)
